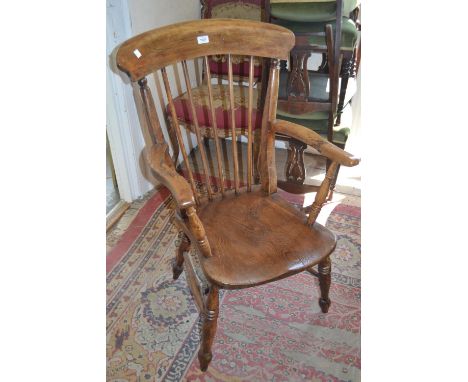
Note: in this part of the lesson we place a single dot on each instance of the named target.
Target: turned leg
(295, 170)
(324, 274)
(177, 264)
(210, 317)
(323, 67)
(346, 68)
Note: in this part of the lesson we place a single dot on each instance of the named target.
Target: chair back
(157, 49)
(227, 9)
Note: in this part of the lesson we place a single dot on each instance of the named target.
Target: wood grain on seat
(252, 245)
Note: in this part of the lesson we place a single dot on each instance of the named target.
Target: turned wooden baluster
(175, 123)
(214, 126)
(267, 166)
(197, 130)
(322, 193)
(249, 123)
(197, 229)
(150, 111)
(233, 124)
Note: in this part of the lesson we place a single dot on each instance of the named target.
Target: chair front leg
(324, 274)
(210, 317)
(178, 262)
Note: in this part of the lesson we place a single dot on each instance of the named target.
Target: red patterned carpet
(274, 332)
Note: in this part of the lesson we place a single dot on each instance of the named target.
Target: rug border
(135, 228)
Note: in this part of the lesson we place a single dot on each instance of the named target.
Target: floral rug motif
(274, 332)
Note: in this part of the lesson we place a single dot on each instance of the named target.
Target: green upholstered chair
(307, 19)
(302, 90)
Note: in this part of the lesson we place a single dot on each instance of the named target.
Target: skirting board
(115, 213)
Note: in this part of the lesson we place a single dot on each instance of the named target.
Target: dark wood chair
(309, 97)
(248, 235)
(307, 19)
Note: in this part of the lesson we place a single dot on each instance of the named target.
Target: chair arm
(160, 162)
(313, 139)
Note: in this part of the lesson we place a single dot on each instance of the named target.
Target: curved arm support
(313, 139)
(161, 163)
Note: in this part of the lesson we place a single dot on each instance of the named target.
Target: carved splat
(298, 82)
(295, 170)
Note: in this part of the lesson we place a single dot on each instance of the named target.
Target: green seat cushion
(349, 32)
(310, 12)
(340, 134)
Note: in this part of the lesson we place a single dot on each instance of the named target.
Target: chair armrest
(160, 161)
(313, 139)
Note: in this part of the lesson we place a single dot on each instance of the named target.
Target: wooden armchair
(244, 235)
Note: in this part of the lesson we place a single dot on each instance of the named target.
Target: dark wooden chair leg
(210, 317)
(295, 169)
(178, 262)
(324, 274)
(323, 67)
(346, 69)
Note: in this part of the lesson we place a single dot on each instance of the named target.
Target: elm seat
(221, 104)
(256, 225)
(349, 32)
(309, 11)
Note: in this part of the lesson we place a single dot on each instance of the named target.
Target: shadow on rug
(274, 332)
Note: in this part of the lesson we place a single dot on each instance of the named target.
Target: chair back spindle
(176, 126)
(197, 130)
(233, 124)
(249, 126)
(214, 126)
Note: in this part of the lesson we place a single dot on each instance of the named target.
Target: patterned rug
(275, 332)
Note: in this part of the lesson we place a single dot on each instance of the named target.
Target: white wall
(150, 14)
(128, 18)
